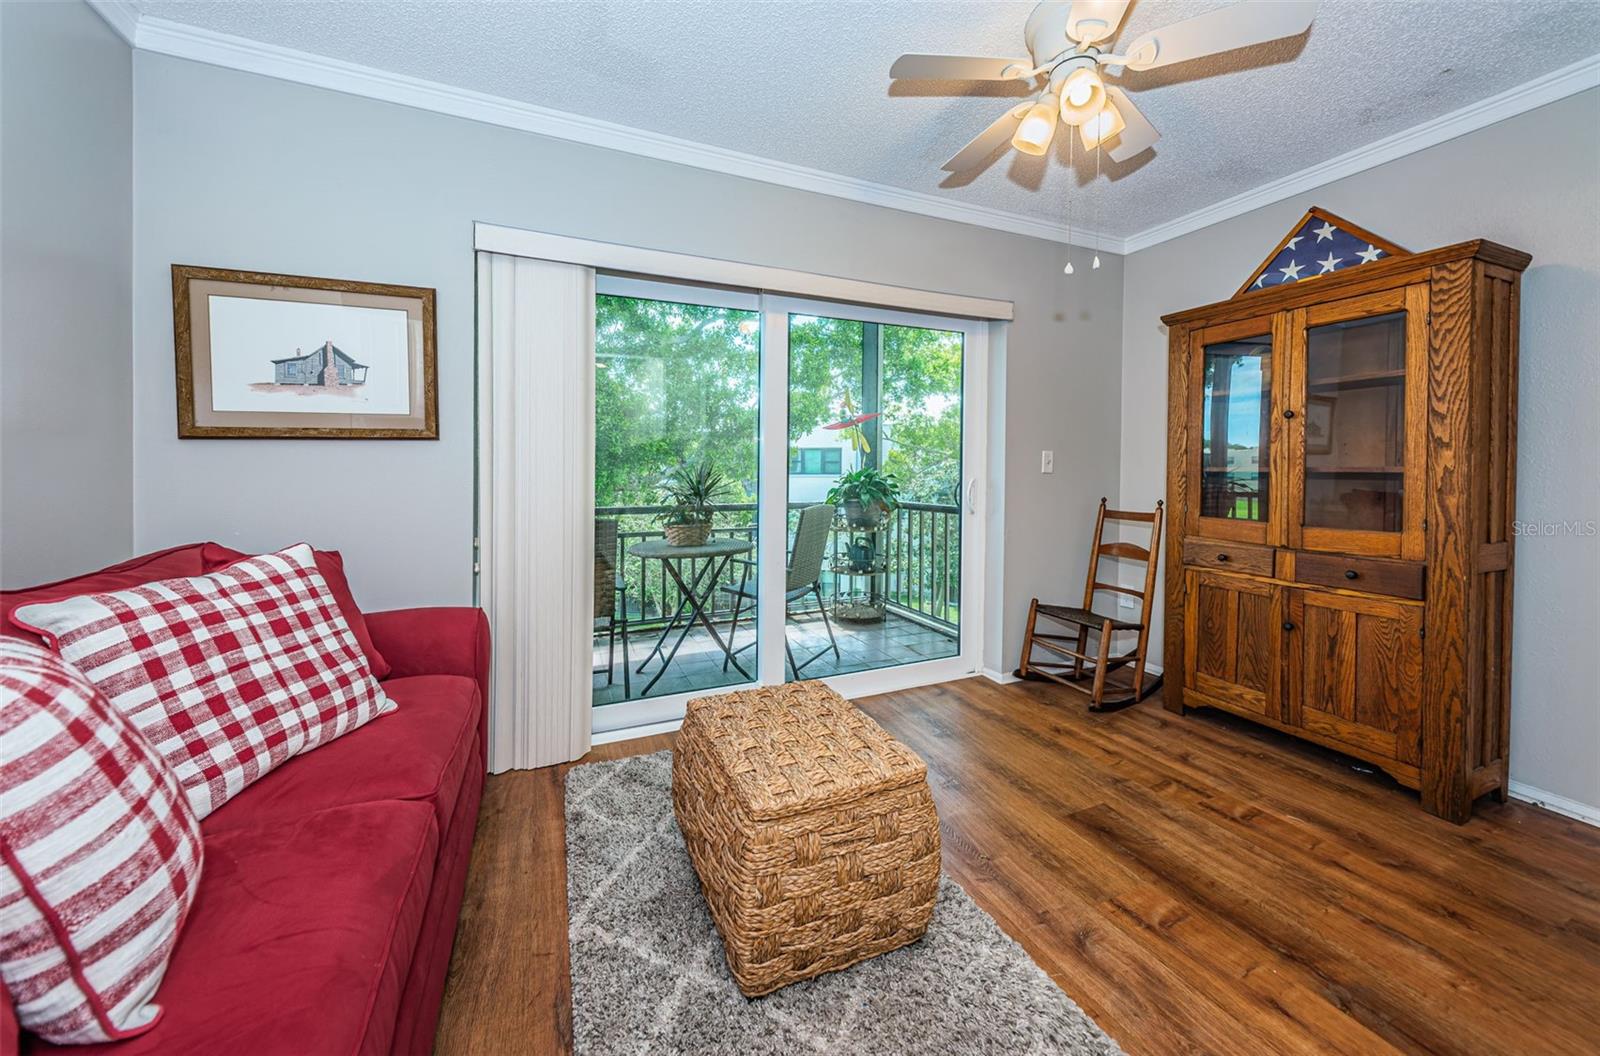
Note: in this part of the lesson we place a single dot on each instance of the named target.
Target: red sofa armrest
(437, 641)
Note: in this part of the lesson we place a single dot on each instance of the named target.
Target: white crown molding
(219, 49)
(165, 37)
(120, 15)
(1569, 80)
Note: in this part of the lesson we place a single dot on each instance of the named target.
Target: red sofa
(327, 906)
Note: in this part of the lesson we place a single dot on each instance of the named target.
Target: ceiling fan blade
(1091, 21)
(985, 142)
(1227, 28)
(1138, 135)
(958, 68)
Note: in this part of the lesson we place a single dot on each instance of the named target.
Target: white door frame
(638, 718)
(773, 512)
(642, 717)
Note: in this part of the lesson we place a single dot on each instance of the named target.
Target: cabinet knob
(1350, 573)
(1288, 626)
(1288, 414)
(1222, 557)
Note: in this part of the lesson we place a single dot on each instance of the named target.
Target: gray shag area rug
(648, 972)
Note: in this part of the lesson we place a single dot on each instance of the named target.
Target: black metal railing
(921, 551)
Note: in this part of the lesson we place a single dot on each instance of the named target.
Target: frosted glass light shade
(1033, 135)
(1083, 94)
(1107, 123)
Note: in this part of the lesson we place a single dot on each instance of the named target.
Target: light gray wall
(1532, 183)
(240, 171)
(66, 148)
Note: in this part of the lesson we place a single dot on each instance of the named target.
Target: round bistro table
(694, 598)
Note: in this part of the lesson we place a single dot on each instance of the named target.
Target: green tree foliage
(922, 411)
(679, 384)
(824, 369)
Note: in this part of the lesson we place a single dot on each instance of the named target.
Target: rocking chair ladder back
(1070, 669)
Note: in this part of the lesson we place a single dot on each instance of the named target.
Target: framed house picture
(286, 356)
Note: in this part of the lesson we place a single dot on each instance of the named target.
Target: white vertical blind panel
(536, 504)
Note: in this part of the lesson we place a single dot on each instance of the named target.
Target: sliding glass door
(676, 482)
(875, 441)
(783, 490)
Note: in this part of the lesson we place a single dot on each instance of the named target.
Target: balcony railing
(921, 549)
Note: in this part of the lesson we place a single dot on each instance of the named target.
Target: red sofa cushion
(180, 561)
(420, 751)
(301, 939)
(331, 565)
(442, 640)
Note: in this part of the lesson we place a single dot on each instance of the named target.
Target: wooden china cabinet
(1340, 483)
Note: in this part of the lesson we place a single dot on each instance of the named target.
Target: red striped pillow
(99, 855)
(228, 675)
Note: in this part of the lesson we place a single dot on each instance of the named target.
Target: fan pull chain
(1068, 269)
(1097, 193)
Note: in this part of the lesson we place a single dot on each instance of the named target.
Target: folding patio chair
(804, 577)
(611, 600)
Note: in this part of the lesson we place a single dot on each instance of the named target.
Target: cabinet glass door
(1231, 417)
(1357, 446)
(1355, 424)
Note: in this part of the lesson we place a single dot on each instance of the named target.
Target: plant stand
(859, 587)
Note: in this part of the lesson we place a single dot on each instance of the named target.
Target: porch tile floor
(698, 665)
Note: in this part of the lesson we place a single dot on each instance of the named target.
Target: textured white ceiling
(807, 83)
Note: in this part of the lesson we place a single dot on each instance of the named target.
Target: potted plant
(690, 492)
(865, 496)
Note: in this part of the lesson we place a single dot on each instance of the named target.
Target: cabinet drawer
(1399, 579)
(1235, 557)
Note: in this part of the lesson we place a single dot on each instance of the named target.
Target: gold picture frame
(371, 373)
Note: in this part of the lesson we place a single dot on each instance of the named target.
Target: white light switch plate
(1047, 461)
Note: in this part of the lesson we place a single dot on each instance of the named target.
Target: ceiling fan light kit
(1067, 42)
(1037, 128)
(1083, 92)
(1101, 127)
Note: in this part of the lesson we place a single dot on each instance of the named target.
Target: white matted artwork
(262, 355)
(292, 356)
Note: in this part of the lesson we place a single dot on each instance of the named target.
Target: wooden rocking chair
(1071, 670)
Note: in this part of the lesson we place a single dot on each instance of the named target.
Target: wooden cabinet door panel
(1233, 452)
(1356, 448)
(1232, 641)
(1356, 673)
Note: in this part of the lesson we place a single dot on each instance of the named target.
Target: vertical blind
(536, 504)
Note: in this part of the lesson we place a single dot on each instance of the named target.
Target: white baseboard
(1584, 812)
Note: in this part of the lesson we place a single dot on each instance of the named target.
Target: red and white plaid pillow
(99, 855)
(228, 675)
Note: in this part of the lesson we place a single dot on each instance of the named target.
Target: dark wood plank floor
(1197, 884)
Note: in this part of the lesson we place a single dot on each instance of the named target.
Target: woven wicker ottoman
(812, 830)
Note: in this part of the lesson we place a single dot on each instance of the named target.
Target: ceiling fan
(1068, 44)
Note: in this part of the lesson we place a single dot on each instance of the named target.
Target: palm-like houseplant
(690, 492)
